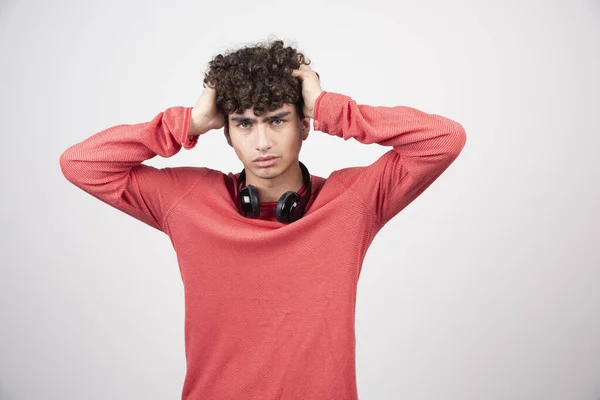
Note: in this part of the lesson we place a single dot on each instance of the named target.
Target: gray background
(485, 287)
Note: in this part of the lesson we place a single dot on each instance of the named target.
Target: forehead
(249, 113)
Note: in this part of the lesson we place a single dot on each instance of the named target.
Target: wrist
(197, 126)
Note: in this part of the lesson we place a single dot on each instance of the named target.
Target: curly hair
(259, 76)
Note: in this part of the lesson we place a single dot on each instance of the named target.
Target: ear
(226, 132)
(305, 127)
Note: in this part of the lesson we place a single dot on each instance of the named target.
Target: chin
(269, 172)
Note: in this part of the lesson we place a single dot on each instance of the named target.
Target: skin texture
(281, 137)
(256, 83)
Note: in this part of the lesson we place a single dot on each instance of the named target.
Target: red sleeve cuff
(188, 142)
(316, 111)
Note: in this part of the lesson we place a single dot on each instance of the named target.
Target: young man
(270, 257)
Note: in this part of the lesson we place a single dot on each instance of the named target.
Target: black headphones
(289, 208)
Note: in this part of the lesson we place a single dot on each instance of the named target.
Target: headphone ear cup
(248, 202)
(289, 208)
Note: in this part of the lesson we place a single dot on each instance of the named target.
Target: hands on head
(205, 116)
(311, 87)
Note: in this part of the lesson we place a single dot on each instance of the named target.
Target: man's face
(278, 133)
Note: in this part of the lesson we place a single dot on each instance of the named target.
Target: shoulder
(345, 176)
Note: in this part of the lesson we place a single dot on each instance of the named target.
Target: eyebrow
(276, 116)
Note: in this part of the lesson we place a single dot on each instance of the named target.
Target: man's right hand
(204, 115)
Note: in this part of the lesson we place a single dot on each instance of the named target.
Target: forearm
(100, 164)
(195, 127)
(423, 147)
(410, 131)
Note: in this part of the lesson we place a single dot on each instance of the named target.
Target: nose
(263, 139)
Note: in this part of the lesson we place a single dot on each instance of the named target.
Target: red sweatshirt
(269, 307)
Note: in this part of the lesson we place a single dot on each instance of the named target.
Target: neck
(271, 189)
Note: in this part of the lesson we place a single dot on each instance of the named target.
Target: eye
(277, 119)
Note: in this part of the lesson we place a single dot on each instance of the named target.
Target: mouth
(264, 158)
(266, 162)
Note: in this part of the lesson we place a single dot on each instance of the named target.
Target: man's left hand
(311, 88)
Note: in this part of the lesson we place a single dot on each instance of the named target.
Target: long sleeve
(424, 146)
(108, 165)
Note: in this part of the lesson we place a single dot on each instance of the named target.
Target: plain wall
(485, 287)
